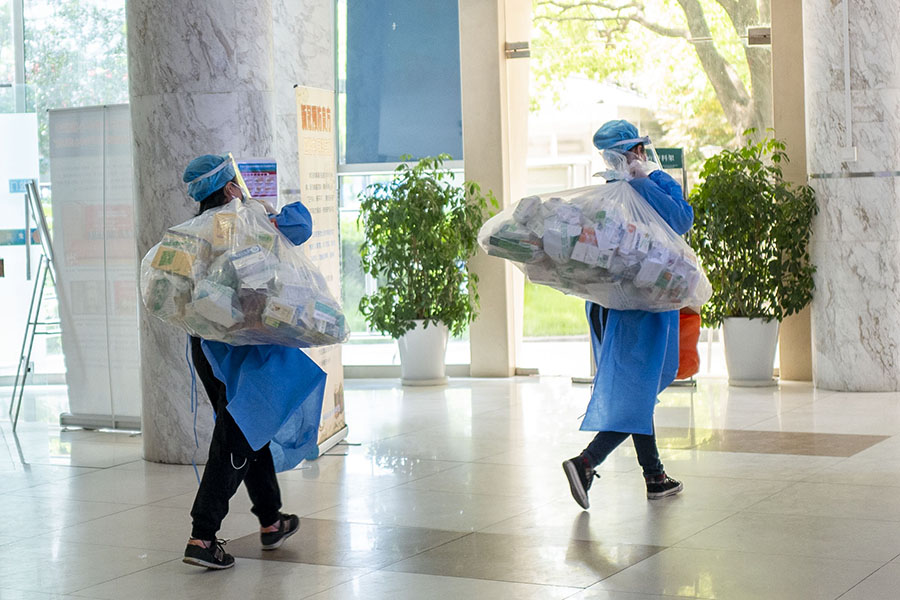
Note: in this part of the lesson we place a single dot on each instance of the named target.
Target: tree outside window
(688, 57)
(75, 55)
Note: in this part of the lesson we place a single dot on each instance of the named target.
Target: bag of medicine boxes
(229, 275)
(602, 243)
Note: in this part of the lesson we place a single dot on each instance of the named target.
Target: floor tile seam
(44, 594)
(546, 537)
(861, 581)
(457, 464)
(86, 521)
(646, 558)
(387, 567)
(336, 585)
(562, 494)
(700, 448)
(577, 589)
(772, 495)
(779, 554)
(711, 525)
(118, 512)
(460, 465)
(462, 532)
(165, 562)
(76, 476)
(53, 464)
(884, 436)
(821, 516)
(386, 526)
(632, 592)
(880, 563)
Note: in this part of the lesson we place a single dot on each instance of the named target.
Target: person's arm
(295, 222)
(664, 194)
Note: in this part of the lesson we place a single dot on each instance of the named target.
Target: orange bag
(688, 338)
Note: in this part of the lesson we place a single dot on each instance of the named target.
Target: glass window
(689, 80)
(75, 55)
(399, 93)
(7, 58)
(400, 83)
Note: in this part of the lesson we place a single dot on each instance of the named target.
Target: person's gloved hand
(267, 205)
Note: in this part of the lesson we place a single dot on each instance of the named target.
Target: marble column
(856, 246)
(201, 81)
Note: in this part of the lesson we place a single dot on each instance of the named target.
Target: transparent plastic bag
(229, 275)
(602, 243)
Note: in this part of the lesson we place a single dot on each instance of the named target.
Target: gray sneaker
(287, 526)
(213, 557)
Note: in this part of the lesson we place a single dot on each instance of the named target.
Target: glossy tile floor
(457, 492)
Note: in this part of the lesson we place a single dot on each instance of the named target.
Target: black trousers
(606, 441)
(231, 461)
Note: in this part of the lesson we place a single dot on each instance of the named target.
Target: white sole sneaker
(575, 485)
(669, 492)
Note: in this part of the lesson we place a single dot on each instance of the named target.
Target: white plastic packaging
(602, 243)
(229, 275)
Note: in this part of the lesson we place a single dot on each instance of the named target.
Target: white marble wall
(206, 76)
(856, 245)
(304, 55)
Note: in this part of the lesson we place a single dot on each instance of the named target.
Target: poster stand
(34, 326)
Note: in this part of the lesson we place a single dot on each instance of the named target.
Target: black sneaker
(287, 526)
(660, 486)
(580, 476)
(213, 557)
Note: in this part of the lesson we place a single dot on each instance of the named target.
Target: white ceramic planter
(750, 351)
(422, 353)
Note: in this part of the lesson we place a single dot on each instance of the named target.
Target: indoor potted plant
(751, 233)
(419, 231)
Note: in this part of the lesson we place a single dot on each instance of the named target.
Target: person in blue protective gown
(267, 400)
(636, 352)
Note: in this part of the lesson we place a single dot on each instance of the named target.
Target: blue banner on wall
(16, 237)
(18, 186)
(403, 80)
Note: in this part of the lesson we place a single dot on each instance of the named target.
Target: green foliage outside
(686, 57)
(419, 231)
(751, 233)
(549, 312)
(7, 58)
(75, 55)
(353, 279)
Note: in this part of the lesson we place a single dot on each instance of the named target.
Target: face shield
(202, 184)
(629, 159)
(237, 174)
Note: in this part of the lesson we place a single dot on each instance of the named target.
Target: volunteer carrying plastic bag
(233, 278)
(618, 246)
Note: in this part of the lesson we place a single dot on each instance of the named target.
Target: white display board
(93, 240)
(18, 160)
(318, 187)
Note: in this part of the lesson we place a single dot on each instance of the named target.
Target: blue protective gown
(274, 393)
(637, 357)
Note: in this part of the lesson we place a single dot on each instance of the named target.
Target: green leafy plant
(751, 233)
(419, 231)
